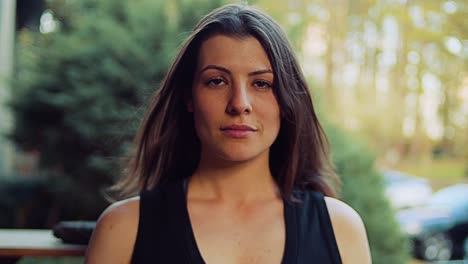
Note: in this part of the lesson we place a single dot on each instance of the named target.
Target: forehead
(229, 51)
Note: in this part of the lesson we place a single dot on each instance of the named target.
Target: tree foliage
(363, 189)
(393, 71)
(79, 91)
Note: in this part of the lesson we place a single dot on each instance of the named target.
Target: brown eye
(216, 82)
(262, 84)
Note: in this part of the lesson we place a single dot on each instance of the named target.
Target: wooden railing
(17, 243)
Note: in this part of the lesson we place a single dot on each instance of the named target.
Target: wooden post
(7, 40)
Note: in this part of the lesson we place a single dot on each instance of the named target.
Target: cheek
(276, 121)
(205, 115)
(272, 112)
(270, 118)
(201, 125)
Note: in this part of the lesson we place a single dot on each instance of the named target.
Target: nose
(239, 102)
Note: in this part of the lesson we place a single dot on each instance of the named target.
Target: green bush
(363, 189)
(24, 202)
(78, 91)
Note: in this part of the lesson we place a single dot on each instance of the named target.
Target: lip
(238, 127)
(238, 131)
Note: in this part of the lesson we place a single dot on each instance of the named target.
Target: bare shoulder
(350, 232)
(343, 214)
(115, 233)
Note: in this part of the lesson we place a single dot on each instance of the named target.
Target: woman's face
(236, 114)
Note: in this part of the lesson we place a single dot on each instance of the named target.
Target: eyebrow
(220, 68)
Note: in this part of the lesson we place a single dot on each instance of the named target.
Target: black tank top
(165, 234)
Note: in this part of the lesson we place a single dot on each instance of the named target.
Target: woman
(231, 163)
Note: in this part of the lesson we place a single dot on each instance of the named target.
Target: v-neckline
(195, 256)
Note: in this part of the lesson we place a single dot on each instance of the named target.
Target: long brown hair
(166, 146)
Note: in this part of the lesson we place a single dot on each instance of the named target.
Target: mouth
(238, 131)
(238, 127)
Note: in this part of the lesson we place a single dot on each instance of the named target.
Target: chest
(248, 235)
(170, 231)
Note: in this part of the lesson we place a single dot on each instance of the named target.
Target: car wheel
(436, 247)
(465, 249)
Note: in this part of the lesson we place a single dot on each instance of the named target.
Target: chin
(242, 155)
(238, 158)
(235, 152)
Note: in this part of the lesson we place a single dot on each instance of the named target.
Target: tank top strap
(316, 238)
(161, 230)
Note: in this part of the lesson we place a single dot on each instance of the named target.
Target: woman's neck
(236, 182)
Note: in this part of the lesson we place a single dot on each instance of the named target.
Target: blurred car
(439, 230)
(465, 248)
(405, 191)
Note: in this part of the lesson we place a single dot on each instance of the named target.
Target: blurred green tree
(79, 90)
(363, 189)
